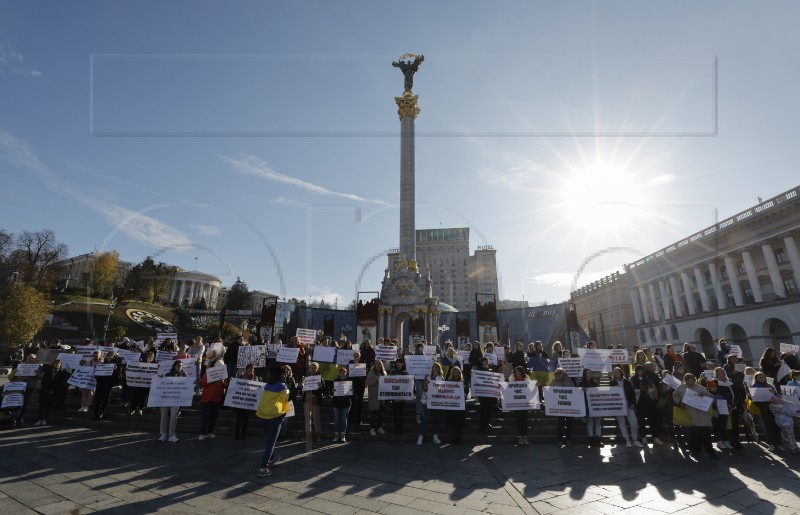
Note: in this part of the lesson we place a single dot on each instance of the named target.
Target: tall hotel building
(736, 279)
(456, 275)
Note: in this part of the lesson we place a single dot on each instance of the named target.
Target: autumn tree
(104, 272)
(22, 313)
(148, 281)
(238, 296)
(34, 257)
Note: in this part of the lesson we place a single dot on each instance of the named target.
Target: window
(740, 270)
(723, 273)
(731, 298)
(707, 276)
(790, 285)
(748, 295)
(674, 331)
(780, 256)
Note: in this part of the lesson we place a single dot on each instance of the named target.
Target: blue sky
(262, 137)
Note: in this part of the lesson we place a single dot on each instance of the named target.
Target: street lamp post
(442, 329)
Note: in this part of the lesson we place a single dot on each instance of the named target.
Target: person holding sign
(54, 385)
(359, 385)
(456, 419)
(762, 399)
(87, 395)
(646, 388)
(594, 425)
(725, 387)
(140, 393)
(211, 401)
(311, 406)
(430, 416)
(720, 409)
(341, 407)
(272, 408)
(701, 419)
(631, 438)
(242, 419)
(30, 381)
(169, 414)
(104, 386)
(784, 413)
(374, 404)
(521, 417)
(769, 363)
(564, 434)
(398, 406)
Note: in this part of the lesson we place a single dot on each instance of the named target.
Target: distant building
(189, 286)
(256, 299)
(512, 304)
(76, 272)
(736, 279)
(455, 274)
(605, 311)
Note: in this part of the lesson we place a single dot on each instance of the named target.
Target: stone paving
(80, 470)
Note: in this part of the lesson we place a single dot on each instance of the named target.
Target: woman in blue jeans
(341, 408)
(272, 408)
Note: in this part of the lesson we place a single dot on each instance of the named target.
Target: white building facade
(189, 287)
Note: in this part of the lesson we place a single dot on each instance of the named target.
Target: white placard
(243, 394)
(344, 356)
(188, 367)
(761, 394)
(255, 355)
(171, 391)
(446, 395)
(499, 352)
(492, 357)
(671, 381)
(463, 356)
(386, 353)
(749, 380)
(722, 406)
(789, 348)
(486, 384)
(709, 375)
(342, 388)
(139, 375)
(85, 351)
(419, 366)
(26, 370)
(429, 350)
(83, 377)
(596, 359)
(564, 401)
(607, 401)
(311, 383)
(619, 357)
(214, 374)
(791, 394)
(783, 371)
(739, 367)
(15, 386)
(325, 354)
(357, 370)
(396, 388)
(12, 400)
(162, 355)
(519, 395)
(288, 355)
(272, 350)
(572, 366)
(104, 369)
(69, 361)
(291, 411)
(129, 356)
(306, 336)
(162, 337)
(46, 356)
(697, 401)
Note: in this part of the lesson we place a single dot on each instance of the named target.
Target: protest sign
(486, 384)
(671, 381)
(161, 337)
(357, 370)
(722, 406)
(429, 350)
(291, 412)
(783, 371)
(386, 353)
(69, 361)
(129, 356)
(519, 395)
(619, 357)
(12, 400)
(749, 380)
(325, 354)
(104, 369)
(419, 366)
(791, 394)
(15, 386)
(761, 394)
(311, 383)
(736, 349)
(139, 375)
(786, 348)
(596, 360)
(163, 355)
(572, 366)
(709, 375)
(739, 367)
(500, 352)
(607, 401)
(288, 355)
(255, 355)
(344, 356)
(561, 401)
(697, 401)
(26, 370)
(463, 356)
(492, 357)
(342, 388)
(306, 336)
(83, 377)
(188, 367)
(47, 356)
(396, 388)
(446, 395)
(170, 391)
(272, 350)
(243, 394)
(214, 374)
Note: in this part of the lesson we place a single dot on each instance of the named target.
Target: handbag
(680, 417)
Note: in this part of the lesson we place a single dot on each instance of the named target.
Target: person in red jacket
(211, 402)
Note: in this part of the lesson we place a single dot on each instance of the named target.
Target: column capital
(407, 105)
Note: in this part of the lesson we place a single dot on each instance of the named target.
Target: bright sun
(601, 199)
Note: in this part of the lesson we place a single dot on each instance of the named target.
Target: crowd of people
(655, 386)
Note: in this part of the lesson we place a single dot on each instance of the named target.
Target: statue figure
(409, 68)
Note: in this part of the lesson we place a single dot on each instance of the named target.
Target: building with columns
(736, 279)
(188, 287)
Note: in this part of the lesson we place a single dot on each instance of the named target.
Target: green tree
(238, 295)
(22, 312)
(105, 272)
(148, 281)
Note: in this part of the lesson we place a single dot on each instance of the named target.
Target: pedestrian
(169, 414)
(374, 404)
(272, 408)
(210, 402)
(341, 408)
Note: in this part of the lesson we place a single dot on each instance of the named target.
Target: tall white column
(407, 111)
(653, 300)
(701, 289)
(774, 273)
(664, 302)
(676, 295)
(637, 308)
(645, 311)
(752, 276)
(191, 293)
(733, 277)
(794, 256)
(721, 304)
(182, 291)
(687, 291)
(172, 289)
